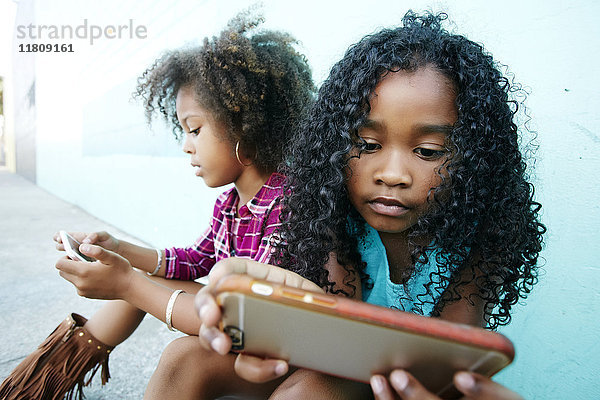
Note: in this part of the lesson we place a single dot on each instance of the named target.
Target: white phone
(72, 248)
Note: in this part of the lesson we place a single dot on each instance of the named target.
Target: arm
(347, 279)
(140, 257)
(112, 277)
(177, 263)
(191, 262)
(469, 309)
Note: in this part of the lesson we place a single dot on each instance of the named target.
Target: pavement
(34, 299)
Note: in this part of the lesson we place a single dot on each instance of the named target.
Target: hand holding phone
(352, 339)
(72, 248)
(471, 385)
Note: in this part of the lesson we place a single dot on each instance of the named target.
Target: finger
(69, 277)
(215, 339)
(106, 257)
(258, 270)
(73, 279)
(58, 242)
(381, 388)
(65, 264)
(259, 370)
(79, 236)
(408, 388)
(95, 237)
(476, 386)
(207, 308)
(228, 266)
(289, 278)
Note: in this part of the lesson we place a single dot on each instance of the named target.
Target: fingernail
(281, 368)
(377, 384)
(217, 345)
(399, 379)
(86, 240)
(204, 311)
(85, 248)
(209, 333)
(465, 380)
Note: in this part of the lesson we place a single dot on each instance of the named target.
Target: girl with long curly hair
(409, 169)
(235, 99)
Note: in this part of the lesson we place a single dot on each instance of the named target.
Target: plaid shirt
(248, 236)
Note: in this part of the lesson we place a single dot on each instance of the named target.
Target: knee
(188, 370)
(179, 355)
(304, 384)
(185, 356)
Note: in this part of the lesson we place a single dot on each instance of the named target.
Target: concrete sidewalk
(34, 299)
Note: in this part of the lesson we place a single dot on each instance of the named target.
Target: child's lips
(388, 206)
(198, 169)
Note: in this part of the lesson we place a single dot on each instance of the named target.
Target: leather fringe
(58, 368)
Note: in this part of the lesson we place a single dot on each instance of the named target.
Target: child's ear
(242, 156)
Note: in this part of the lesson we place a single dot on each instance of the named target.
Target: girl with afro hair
(409, 169)
(235, 100)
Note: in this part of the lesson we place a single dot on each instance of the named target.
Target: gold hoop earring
(237, 155)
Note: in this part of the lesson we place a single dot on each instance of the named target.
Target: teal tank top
(412, 296)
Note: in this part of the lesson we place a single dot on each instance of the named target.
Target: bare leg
(187, 371)
(306, 384)
(114, 322)
(117, 319)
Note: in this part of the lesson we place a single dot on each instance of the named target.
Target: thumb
(258, 370)
(101, 254)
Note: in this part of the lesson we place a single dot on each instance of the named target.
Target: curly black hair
(483, 218)
(255, 82)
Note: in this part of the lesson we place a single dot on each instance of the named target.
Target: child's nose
(188, 147)
(394, 171)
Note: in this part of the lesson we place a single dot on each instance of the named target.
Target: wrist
(128, 284)
(125, 250)
(118, 247)
(159, 263)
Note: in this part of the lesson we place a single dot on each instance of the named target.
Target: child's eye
(430, 154)
(369, 147)
(195, 131)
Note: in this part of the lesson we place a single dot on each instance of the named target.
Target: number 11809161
(45, 48)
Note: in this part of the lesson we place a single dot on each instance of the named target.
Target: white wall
(7, 143)
(94, 149)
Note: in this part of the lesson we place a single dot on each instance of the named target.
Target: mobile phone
(203, 280)
(353, 339)
(72, 248)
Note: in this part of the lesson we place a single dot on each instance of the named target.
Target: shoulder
(345, 278)
(267, 201)
(226, 199)
(468, 306)
(273, 187)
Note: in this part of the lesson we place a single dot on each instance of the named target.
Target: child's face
(205, 142)
(411, 113)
